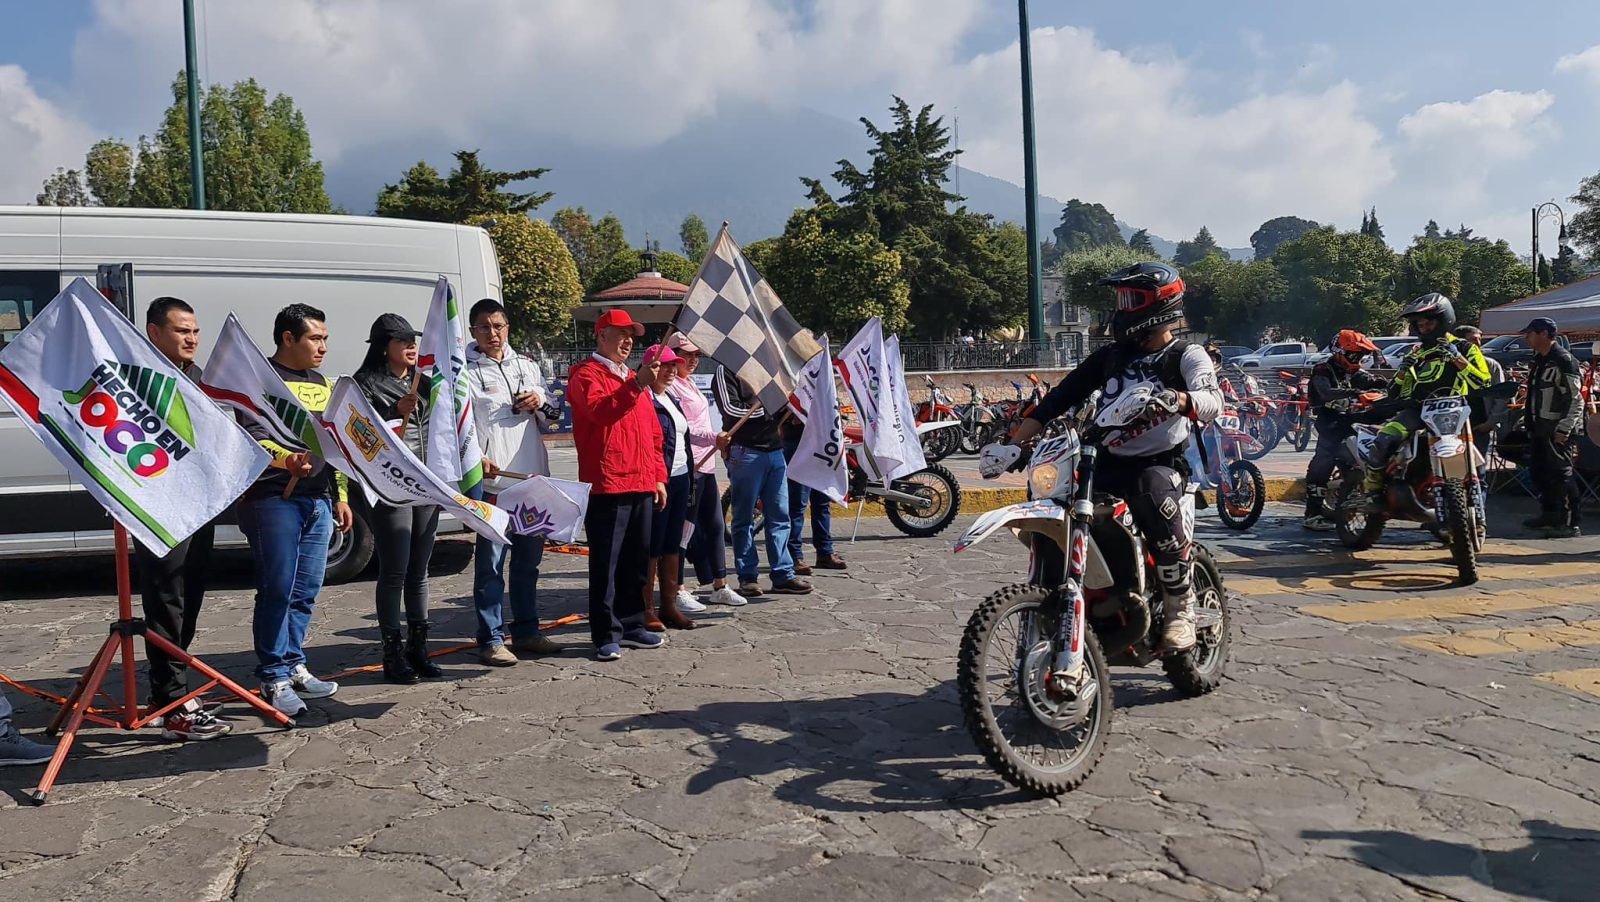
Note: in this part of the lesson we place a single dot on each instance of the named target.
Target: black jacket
(1555, 394)
(670, 436)
(760, 432)
(1331, 392)
(384, 390)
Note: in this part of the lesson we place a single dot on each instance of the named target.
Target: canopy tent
(1575, 307)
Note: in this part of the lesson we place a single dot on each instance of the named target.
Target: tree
(1085, 225)
(471, 190)
(63, 189)
(1338, 280)
(1431, 231)
(1491, 275)
(1547, 276)
(539, 280)
(609, 238)
(257, 155)
(1370, 226)
(834, 280)
(1083, 270)
(1140, 241)
(692, 235)
(1584, 228)
(628, 263)
(1049, 254)
(577, 232)
(1430, 266)
(108, 168)
(1276, 231)
(1567, 268)
(964, 270)
(1196, 249)
(1233, 301)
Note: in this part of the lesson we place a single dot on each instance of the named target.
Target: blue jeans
(821, 514)
(289, 539)
(489, 586)
(756, 474)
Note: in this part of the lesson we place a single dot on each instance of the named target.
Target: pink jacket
(702, 438)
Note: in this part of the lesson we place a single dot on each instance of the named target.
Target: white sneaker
(727, 596)
(687, 602)
(309, 686)
(282, 696)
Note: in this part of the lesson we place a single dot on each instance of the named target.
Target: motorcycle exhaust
(1124, 637)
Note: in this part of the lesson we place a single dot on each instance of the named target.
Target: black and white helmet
(1435, 306)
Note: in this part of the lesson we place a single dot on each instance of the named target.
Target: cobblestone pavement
(1382, 736)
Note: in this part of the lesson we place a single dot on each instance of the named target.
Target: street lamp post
(1030, 184)
(1540, 212)
(197, 174)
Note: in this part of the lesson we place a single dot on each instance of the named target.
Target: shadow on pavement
(1556, 865)
(878, 752)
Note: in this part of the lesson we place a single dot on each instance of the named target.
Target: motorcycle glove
(998, 458)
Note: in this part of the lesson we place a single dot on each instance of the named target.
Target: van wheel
(349, 553)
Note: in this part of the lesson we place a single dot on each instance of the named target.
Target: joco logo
(140, 414)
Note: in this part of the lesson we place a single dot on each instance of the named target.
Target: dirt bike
(920, 504)
(1255, 414)
(1432, 479)
(979, 425)
(1241, 489)
(937, 424)
(1294, 410)
(1090, 601)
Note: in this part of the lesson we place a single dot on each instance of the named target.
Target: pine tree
(1140, 241)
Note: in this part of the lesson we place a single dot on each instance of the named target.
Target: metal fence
(920, 357)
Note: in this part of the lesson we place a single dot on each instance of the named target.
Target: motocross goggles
(1133, 300)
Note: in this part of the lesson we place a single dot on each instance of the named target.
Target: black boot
(395, 668)
(417, 652)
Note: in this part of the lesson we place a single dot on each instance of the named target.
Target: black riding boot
(417, 652)
(395, 668)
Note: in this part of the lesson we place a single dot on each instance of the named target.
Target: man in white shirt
(510, 405)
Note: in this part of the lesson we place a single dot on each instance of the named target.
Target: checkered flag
(736, 319)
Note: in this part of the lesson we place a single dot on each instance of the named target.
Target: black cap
(390, 326)
(1541, 324)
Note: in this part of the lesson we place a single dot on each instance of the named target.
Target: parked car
(249, 264)
(1511, 350)
(1232, 352)
(1278, 354)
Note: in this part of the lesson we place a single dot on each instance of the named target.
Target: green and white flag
(133, 430)
(237, 376)
(453, 452)
(380, 461)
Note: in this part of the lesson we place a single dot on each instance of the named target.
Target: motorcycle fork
(1070, 634)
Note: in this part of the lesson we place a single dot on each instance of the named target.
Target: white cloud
(1453, 148)
(1585, 63)
(1129, 132)
(35, 137)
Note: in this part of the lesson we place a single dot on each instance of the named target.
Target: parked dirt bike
(979, 425)
(1241, 489)
(1432, 479)
(1255, 413)
(1034, 672)
(920, 504)
(938, 441)
(1295, 420)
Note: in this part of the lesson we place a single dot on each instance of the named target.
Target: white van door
(37, 516)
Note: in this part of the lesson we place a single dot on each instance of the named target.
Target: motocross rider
(1335, 384)
(1144, 463)
(1441, 365)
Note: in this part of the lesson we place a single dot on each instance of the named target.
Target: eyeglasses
(492, 327)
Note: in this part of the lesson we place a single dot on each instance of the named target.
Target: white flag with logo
(128, 426)
(453, 452)
(819, 459)
(236, 375)
(543, 506)
(910, 455)
(805, 387)
(388, 470)
(884, 426)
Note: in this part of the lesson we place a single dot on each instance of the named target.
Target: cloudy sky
(1172, 113)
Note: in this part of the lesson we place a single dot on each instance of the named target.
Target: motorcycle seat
(854, 434)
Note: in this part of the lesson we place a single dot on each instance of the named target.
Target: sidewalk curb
(981, 500)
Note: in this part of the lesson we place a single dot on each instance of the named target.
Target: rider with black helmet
(1145, 464)
(1442, 365)
(1335, 385)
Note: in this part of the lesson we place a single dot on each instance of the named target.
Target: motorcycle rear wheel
(1301, 433)
(1463, 533)
(1266, 431)
(942, 494)
(1001, 714)
(1356, 530)
(940, 443)
(1242, 507)
(1200, 670)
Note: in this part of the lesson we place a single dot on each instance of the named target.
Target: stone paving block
(473, 833)
(716, 866)
(274, 873)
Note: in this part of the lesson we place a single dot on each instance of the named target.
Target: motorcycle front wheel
(940, 443)
(1356, 530)
(1459, 516)
(1266, 431)
(1036, 741)
(940, 496)
(1241, 507)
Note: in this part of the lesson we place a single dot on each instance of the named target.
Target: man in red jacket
(618, 438)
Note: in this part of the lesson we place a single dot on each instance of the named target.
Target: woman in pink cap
(708, 544)
(666, 538)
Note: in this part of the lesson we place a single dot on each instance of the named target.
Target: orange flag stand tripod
(76, 707)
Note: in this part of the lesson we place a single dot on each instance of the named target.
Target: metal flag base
(76, 708)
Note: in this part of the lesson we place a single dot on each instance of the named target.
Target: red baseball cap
(617, 318)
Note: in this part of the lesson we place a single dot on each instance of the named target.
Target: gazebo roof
(646, 286)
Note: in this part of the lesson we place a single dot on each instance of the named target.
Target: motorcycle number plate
(1228, 423)
(1444, 405)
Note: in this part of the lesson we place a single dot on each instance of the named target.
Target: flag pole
(731, 430)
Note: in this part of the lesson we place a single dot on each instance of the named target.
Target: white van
(250, 264)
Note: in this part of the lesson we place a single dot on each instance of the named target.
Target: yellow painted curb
(981, 500)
